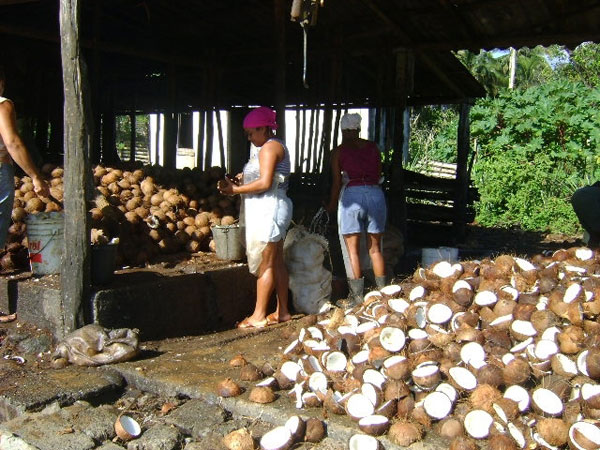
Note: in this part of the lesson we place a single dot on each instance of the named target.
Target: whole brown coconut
(405, 433)
(501, 442)
(239, 440)
(554, 431)
(484, 396)
(250, 372)
(228, 388)
(463, 443)
(315, 430)
(262, 394)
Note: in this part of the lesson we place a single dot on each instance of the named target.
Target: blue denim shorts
(7, 197)
(363, 208)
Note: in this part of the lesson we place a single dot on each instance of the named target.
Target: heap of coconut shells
(151, 209)
(502, 353)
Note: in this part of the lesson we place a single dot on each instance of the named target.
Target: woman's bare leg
(353, 245)
(282, 282)
(374, 246)
(265, 283)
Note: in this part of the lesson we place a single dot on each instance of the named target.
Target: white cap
(350, 122)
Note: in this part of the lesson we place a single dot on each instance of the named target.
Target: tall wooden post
(462, 182)
(75, 272)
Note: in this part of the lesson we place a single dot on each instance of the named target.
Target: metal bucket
(228, 242)
(433, 255)
(45, 241)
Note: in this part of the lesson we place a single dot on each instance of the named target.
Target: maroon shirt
(363, 165)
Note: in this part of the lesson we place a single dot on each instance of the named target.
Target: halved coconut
(416, 293)
(398, 304)
(427, 376)
(318, 382)
(547, 401)
(366, 326)
(437, 405)
(517, 435)
(416, 334)
(444, 269)
(392, 339)
(316, 333)
(297, 427)
(391, 289)
(574, 292)
(472, 353)
(294, 347)
(582, 363)
(449, 390)
(506, 409)
(584, 435)
(373, 393)
(563, 365)
(463, 378)
(312, 400)
(478, 423)
(290, 370)
(545, 349)
(396, 367)
(279, 438)
(374, 424)
(374, 377)
(485, 298)
(270, 382)
(359, 406)
(439, 313)
(335, 362)
(590, 393)
(522, 329)
(363, 442)
(520, 395)
(584, 253)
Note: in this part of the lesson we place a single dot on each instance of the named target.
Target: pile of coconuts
(151, 209)
(498, 353)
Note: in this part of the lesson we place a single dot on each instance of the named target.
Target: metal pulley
(305, 13)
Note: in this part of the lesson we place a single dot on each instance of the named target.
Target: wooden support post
(303, 144)
(109, 147)
(208, 152)
(170, 140)
(157, 149)
(280, 18)
(75, 271)
(132, 137)
(462, 179)
(239, 147)
(220, 137)
(201, 126)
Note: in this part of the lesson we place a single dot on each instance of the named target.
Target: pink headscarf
(261, 117)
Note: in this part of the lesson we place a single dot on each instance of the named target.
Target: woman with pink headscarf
(267, 213)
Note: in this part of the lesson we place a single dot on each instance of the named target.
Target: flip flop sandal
(273, 319)
(245, 324)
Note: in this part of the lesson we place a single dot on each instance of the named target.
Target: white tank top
(3, 150)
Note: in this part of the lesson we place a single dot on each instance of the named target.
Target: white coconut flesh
(541, 304)
(461, 284)
(359, 406)
(314, 364)
(363, 442)
(391, 289)
(572, 292)
(590, 431)
(584, 254)
(501, 320)
(316, 333)
(519, 394)
(416, 333)
(130, 425)
(421, 316)
(310, 399)
(551, 333)
(398, 305)
(510, 290)
(277, 439)
(547, 401)
(576, 269)
(373, 424)
(335, 362)
(567, 364)
(416, 293)
(589, 296)
(437, 405)
(366, 326)
(477, 423)
(507, 358)
(318, 382)
(393, 361)
(295, 425)
(293, 347)
(582, 362)
(290, 370)
(351, 320)
(544, 349)
(517, 348)
(268, 382)
(448, 390)
(463, 378)
(316, 346)
(347, 329)
(485, 298)
(443, 269)
(472, 352)
(439, 313)
(524, 265)
(454, 324)
(371, 392)
(374, 377)
(589, 390)
(370, 294)
(523, 327)
(392, 339)
(296, 393)
(360, 357)
(516, 434)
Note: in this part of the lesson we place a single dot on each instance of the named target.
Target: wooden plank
(75, 270)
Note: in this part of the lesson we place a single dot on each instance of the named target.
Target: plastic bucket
(228, 242)
(433, 255)
(103, 263)
(45, 241)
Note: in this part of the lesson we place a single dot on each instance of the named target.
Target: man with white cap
(360, 204)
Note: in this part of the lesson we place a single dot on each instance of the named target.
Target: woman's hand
(225, 186)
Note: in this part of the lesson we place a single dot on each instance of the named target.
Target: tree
(581, 64)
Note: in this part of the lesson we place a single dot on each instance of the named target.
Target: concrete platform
(161, 304)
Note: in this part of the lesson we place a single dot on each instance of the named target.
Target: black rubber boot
(355, 294)
(380, 282)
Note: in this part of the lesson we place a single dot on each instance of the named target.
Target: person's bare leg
(265, 284)
(374, 246)
(353, 246)
(282, 282)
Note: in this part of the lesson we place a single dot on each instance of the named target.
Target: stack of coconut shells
(151, 209)
(501, 353)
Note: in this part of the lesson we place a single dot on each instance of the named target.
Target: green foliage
(433, 135)
(583, 64)
(534, 148)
